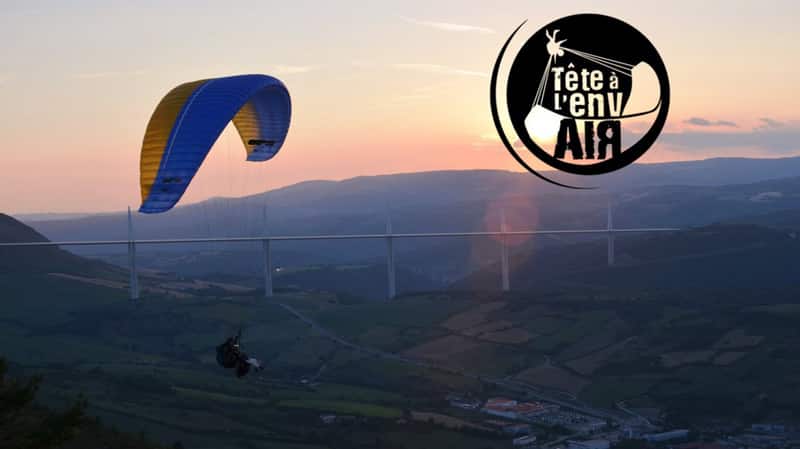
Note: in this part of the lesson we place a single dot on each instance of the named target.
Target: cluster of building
(464, 403)
(508, 428)
(588, 444)
(511, 409)
(605, 439)
(545, 414)
(764, 436)
(573, 421)
(514, 418)
(671, 435)
(330, 419)
(757, 436)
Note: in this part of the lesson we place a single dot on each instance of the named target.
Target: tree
(23, 425)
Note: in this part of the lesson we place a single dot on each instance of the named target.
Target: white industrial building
(677, 434)
(588, 444)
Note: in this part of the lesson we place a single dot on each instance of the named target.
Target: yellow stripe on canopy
(158, 131)
(248, 126)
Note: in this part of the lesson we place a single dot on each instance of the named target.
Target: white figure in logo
(553, 46)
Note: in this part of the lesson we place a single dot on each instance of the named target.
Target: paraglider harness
(229, 355)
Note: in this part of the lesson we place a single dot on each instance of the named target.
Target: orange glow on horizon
(372, 93)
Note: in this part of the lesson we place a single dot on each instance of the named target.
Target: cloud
(448, 26)
(293, 69)
(93, 75)
(413, 95)
(774, 137)
(768, 123)
(361, 64)
(420, 67)
(17, 13)
(439, 69)
(108, 74)
(491, 140)
(419, 93)
(698, 121)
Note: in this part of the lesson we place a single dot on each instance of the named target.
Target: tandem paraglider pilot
(230, 356)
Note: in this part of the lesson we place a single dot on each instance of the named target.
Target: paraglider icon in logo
(586, 94)
(553, 46)
(190, 118)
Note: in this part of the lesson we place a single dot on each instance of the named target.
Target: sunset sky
(377, 86)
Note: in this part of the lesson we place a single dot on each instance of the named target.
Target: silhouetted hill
(708, 172)
(27, 424)
(46, 259)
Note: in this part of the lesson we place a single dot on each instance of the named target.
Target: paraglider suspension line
(619, 66)
(537, 101)
(622, 67)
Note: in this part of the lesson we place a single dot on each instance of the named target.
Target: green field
(343, 407)
(150, 366)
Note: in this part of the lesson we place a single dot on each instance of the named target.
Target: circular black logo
(587, 94)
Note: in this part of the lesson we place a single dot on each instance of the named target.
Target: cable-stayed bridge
(503, 234)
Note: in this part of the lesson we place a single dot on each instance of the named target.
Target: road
(622, 406)
(530, 391)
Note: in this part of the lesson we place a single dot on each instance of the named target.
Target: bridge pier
(265, 244)
(610, 229)
(391, 286)
(505, 280)
(267, 255)
(134, 277)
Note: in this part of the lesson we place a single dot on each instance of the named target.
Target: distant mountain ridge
(678, 194)
(371, 197)
(708, 172)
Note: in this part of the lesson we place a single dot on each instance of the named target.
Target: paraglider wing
(190, 118)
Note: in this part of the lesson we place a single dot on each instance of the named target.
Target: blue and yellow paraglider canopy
(190, 118)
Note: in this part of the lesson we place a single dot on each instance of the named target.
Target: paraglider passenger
(230, 355)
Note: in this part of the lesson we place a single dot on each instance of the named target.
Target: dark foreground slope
(45, 259)
(27, 425)
(149, 368)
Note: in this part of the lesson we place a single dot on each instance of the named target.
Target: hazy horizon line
(33, 216)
